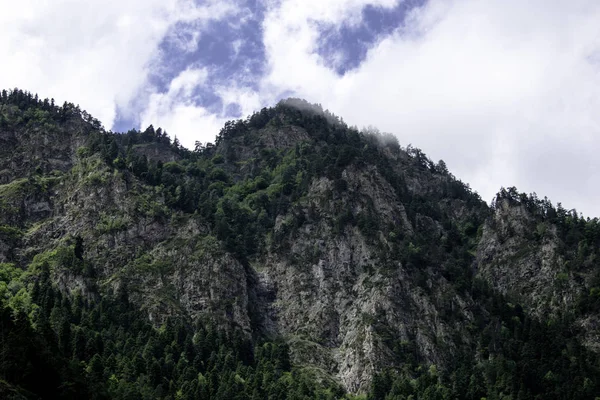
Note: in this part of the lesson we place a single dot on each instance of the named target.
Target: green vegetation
(518, 357)
(243, 198)
(69, 347)
(12, 189)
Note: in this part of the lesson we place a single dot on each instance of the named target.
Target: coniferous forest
(294, 258)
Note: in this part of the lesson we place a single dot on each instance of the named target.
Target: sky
(506, 92)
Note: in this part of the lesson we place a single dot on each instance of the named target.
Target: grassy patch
(112, 224)
(10, 232)
(62, 256)
(13, 189)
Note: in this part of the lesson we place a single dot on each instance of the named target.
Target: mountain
(294, 258)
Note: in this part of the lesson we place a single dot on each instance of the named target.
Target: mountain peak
(296, 256)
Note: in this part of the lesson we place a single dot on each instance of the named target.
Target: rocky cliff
(371, 262)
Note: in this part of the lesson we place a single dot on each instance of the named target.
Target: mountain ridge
(366, 263)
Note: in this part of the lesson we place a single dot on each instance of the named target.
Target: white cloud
(248, 99)
(507, 92)
(176, 111)
(197, 123)
(95, 53)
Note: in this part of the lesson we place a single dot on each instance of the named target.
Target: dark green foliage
(81, 349)
(59, 345)
(517, 358)
(41, 111)
(579, 238)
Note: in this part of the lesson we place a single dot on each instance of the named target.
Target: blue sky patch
(232, 51)
(345, 47)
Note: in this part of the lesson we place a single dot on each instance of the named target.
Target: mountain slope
(295, 257)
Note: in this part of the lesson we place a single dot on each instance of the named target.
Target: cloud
(505, 92)
(95, 53)
(177, 109)
(230, 52)
(343, 46)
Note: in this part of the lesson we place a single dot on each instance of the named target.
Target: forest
(57, 343)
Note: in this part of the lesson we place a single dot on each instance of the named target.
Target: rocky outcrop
(368, 266)
(519, 261)
(341, 302)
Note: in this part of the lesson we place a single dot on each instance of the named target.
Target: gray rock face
(528, 269)
(341, 275)
(523, 258)
(515, 265)
(339, 299)
(344, 305)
